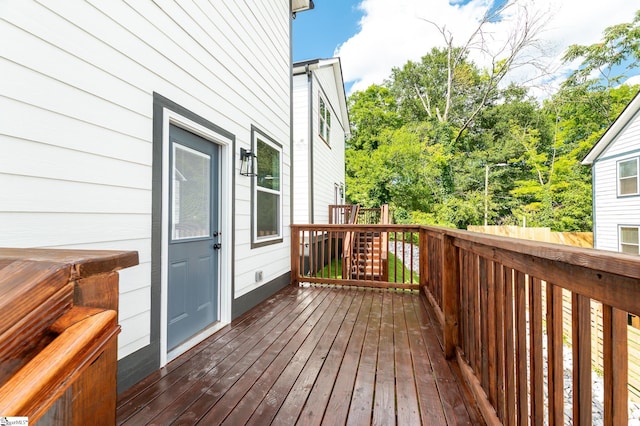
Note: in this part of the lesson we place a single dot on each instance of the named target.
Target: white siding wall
(610, 210)
(76, 121)
(301, 149)
(328, 159)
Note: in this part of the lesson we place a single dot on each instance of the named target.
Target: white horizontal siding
(64, 196)
(627, 140)
(301, 149)
(77, 110)
(134, 333)
(270, 260)
(611, 210)
(33, 123)
(328, 159)
(33, 88)
(28, 158)
(25, 229)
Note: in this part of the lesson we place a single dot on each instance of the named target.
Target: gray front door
(193, 236)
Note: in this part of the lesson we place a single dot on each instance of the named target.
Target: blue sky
(373, 36)
(317, 33)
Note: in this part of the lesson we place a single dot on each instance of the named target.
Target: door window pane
(191, 193)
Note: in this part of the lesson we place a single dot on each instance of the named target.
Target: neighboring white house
(121, 125)
(320, 126)
(615, 163)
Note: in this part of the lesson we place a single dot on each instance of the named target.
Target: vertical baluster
(471, 324)
(314, 250)
(535, 352)
(616, 364)
(403, 256)
(411, 251)
(492, 333)
(483, 304)
(581, 344)
(500, 340)
(451, 307)
(464, 302)
(554, 354)
(475, 268)
(322, 245)
(521, 348)
(510, 382)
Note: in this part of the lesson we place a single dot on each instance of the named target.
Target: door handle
(216, 246)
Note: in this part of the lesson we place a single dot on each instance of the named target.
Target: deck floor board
(311, 356)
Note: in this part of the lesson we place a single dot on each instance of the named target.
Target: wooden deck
(311, 356)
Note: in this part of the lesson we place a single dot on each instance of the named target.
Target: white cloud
(395, 31)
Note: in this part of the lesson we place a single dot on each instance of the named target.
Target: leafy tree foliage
(424, 141)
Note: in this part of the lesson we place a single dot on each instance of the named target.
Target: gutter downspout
(310, 150)
(291, 153)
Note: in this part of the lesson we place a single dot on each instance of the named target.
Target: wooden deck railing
(498, 299)
(356, 255)
(58, 347)
(341, 214)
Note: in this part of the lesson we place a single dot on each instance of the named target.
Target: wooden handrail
(58, 347)
(37, 386)
(497, 298)
(493, 297)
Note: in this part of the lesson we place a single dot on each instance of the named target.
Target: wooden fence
(575, 239)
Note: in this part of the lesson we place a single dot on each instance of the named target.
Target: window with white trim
(628, 239)
(628, 177)
(325, 120)
(267, 194)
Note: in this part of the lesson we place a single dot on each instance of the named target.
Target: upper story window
(325, 121)
(267, 196)
(628, 238)
(628, 177)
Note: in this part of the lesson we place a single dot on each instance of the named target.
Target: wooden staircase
(368, 258)
(365, 252)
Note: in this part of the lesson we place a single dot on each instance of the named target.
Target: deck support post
(450, 295)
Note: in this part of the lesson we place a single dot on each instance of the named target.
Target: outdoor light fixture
(247, 162)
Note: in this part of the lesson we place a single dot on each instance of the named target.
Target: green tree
(423, 141)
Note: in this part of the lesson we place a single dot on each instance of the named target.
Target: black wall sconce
(247, 160)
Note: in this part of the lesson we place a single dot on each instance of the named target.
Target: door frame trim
(225, 203)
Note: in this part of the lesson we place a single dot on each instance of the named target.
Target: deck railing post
(423, 244)
(616, 364)
(450, 295)
(295, 254)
